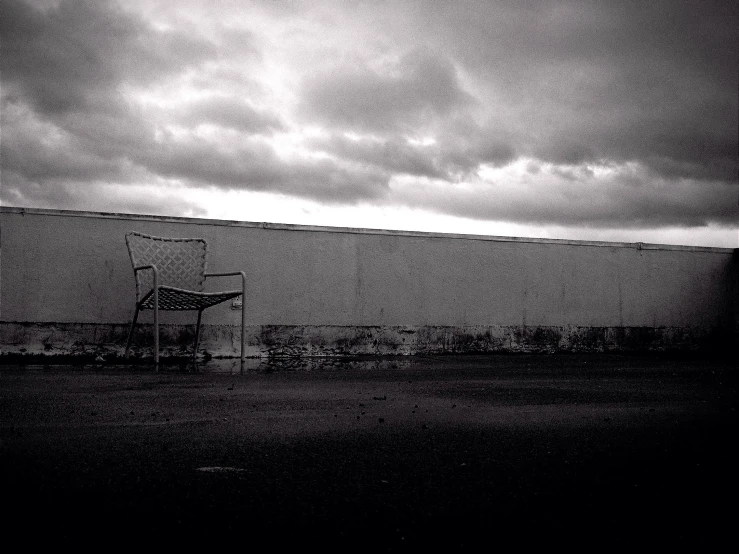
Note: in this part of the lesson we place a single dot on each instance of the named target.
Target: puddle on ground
(220, 469)
(307, 364)
(231, 366)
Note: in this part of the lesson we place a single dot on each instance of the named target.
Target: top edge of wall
(351, 230)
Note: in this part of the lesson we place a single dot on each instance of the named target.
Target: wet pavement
(402, 454)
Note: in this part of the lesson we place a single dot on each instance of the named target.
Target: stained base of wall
(108, 340)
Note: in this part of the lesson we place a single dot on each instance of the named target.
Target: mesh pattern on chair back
(180, 262)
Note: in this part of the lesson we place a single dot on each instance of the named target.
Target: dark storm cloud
(73, 58)
(95, 94)
(65, 118)
(458, 149)
(622, 81)
(42, 151)
(420, 89)
(453, 157)
(392, 154)
(465, 144)
(257, 167)
(572, 199)
(233, 113)
(68, 157)
(70, 195)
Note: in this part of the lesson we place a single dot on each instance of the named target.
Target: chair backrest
(181, 262)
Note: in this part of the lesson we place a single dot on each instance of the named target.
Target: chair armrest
(150, 266)
(230, 274)
(226, 274)
(155, 283)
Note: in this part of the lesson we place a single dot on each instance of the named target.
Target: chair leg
(130, 331)
(156, 325)
(243, 328)
(197, 336)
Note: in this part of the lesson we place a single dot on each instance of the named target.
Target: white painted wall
(73, 267)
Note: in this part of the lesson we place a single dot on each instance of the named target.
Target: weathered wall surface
(66, 285)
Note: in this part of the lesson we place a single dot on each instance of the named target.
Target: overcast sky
(603, 120)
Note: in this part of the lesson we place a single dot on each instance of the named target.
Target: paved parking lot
(373, 454)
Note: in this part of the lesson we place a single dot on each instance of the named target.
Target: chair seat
(172, 298)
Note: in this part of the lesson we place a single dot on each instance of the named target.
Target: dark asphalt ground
(584, 452)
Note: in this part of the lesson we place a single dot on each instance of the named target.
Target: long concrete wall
(66, 286)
